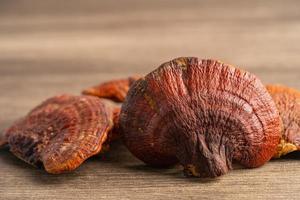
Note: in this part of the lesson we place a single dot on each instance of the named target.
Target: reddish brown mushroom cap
(203, 113)
(288, 104)
(61, 133)
(115, 90)
(115, 133)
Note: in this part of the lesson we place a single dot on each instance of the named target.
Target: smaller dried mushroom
(115, 132)
(115, 90)
(62, 132)
(288, 104)
(204, 114)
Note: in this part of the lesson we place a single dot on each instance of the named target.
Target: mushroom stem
(212, 160)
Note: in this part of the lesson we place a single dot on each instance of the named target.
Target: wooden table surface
(50, 47)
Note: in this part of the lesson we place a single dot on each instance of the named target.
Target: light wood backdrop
(52, 47)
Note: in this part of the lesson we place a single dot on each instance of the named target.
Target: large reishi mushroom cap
(288, 104)
(203, 113)
(61, 132)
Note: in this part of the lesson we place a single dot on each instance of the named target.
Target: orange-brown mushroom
(62, 132)
(288, 104)
(115, 90)
(115, 133)
(204, 114)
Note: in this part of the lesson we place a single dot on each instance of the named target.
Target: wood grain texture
(53, 47)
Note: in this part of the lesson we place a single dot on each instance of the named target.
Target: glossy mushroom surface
(61, 133)
(288, 104)
(204, 114)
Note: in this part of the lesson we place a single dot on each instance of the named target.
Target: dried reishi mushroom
(288, 104)
(61, 133)
(115, 133)
(203, 113)
(115, 90)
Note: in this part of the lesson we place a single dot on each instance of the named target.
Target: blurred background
(49, 47)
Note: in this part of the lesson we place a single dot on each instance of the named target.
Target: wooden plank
(50, 47)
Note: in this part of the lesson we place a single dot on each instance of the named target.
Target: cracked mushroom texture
(115, 90)
(204, 114)
(288, 104)
(61, 133)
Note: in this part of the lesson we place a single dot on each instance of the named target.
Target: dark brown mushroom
(115, 90)
(62, 132)
(288, 104)
(204, 114)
